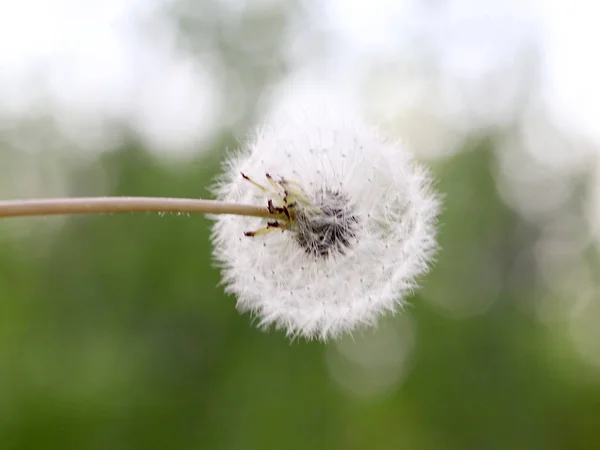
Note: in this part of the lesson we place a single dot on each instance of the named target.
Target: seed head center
(328, 225)
(322, 224)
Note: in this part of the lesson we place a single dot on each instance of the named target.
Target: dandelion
(351, 226)
(322, 225)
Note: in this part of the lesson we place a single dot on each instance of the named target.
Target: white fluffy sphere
(354, 224)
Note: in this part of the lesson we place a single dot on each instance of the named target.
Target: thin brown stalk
(100, 205)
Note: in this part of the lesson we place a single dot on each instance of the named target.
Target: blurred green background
(114, 332)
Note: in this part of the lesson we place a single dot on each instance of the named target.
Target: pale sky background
(88, 61)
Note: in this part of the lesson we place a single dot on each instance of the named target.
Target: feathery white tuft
(355, 224)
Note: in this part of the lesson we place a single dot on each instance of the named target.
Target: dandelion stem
(100, 205)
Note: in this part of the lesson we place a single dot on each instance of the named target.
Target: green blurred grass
(116, 335)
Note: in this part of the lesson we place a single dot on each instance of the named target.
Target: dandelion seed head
(355, 224)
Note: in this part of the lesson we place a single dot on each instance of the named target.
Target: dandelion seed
(353, 225)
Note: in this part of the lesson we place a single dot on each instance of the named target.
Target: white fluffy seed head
(354, 224)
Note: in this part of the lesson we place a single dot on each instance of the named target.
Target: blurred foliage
(248, 45)
(116, 335)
